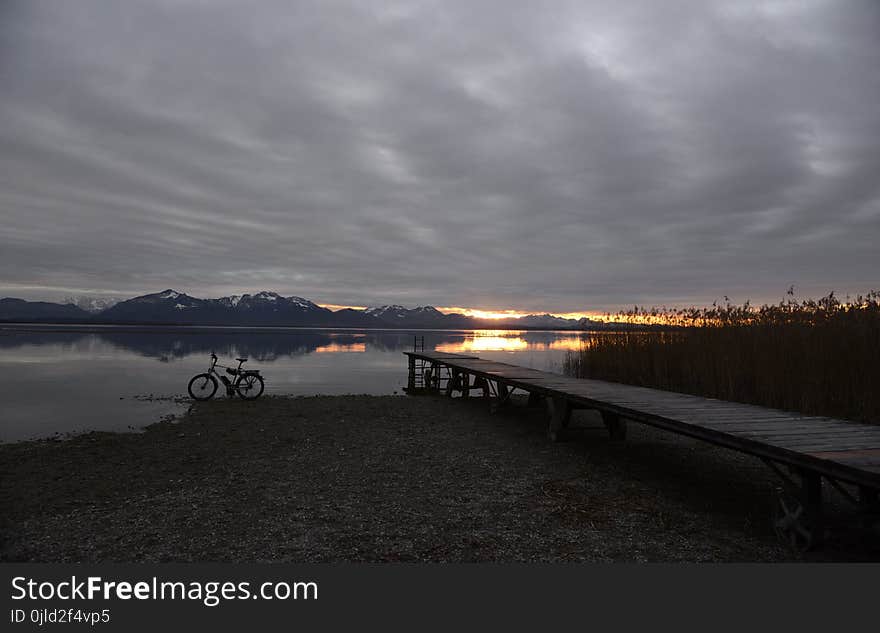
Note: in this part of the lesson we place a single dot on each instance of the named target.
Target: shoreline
(384, 478)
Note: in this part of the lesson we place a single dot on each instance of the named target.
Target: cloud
(540, 156)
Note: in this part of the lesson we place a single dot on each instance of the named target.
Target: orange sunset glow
(512, 314)
(335, 307)
(483, 314)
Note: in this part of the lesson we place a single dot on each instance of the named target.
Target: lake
(115, 378)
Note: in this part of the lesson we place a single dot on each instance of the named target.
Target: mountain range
(263, 309)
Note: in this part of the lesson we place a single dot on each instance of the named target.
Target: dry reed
(819, 357)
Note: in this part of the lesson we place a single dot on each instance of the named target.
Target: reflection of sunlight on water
(509, 341)
(569, 343)
(483, 344)
(341, 347)
(503, 333)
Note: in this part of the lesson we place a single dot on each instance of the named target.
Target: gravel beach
(365, 478)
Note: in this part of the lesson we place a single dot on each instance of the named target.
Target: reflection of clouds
(341, 347)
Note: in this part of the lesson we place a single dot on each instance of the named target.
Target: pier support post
(465, 385)
(482, 383)
(615, 424)
(811, 485)
(559, 414)
(798, 516)
(432, 377)
(411, 379)
(453, 383)
(503, 393)
(534, 399)
(869, 505)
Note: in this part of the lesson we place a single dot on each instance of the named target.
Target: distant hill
(267, 309)
(21, 310)
(547, 321)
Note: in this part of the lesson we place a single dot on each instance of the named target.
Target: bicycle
(248, 383)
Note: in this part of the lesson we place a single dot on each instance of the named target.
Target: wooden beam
(559, 415)
(615, 424)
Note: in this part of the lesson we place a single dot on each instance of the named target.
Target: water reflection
(270, 345)
(570, 343)
(341, 347)
(70, 379)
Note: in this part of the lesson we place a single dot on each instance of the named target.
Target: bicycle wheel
(202, 387)
(249, 386)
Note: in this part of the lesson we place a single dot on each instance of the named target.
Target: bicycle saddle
(241, 360)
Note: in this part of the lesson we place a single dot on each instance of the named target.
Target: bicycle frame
(229, 384)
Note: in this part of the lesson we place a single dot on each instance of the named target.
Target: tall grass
(819, 357)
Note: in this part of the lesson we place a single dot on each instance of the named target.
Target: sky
(537, 156)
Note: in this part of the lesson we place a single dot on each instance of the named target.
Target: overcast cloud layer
(546, 155)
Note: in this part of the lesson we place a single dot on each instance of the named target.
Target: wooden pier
(804, 451)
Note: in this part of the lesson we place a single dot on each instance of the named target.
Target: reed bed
(819, 357)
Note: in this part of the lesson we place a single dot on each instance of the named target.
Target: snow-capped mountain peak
(92, 305)
(267, 300)
(304, 304)
(386, 310)
(165, 295)
(400, 315)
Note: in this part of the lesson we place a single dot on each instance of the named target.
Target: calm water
(71, 380)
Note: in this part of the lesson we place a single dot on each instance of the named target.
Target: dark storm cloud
(542, 155)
